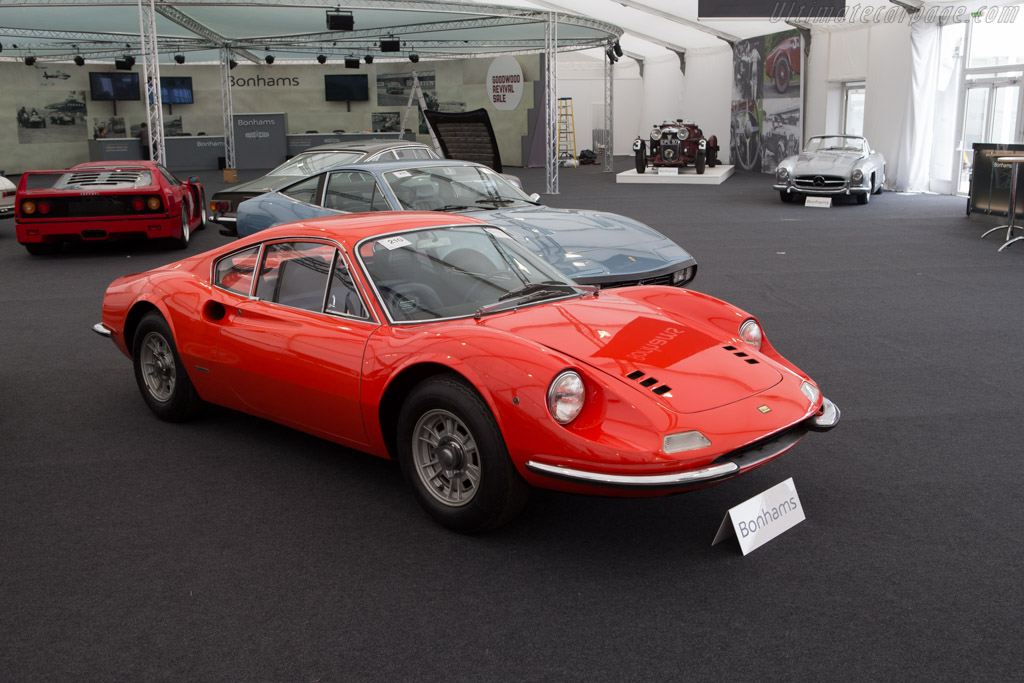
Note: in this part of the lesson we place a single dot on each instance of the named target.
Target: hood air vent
(649, 382)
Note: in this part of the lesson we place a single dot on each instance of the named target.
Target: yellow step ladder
(566, 133)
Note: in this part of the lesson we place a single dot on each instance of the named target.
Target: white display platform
(686, 176)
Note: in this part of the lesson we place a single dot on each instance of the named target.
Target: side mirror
(534, 197)
(194, 179)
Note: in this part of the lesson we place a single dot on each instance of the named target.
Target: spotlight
(340, 20)
(413, 57)
(368, 59)
(617, 49)
(232, 64)
(322, 59)
(269, 59)
(79, 60)
(611, 56)
(30, 60)
(125, 63)
(351, 63)
(391, 45)
(180, 59)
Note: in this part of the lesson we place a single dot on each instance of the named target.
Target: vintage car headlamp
(681, 277)
(810, 391)
(656, 134)
(684, 441)
(750, 332)
(683, 133)
(858, 176)
(782, 173)
(566, 396)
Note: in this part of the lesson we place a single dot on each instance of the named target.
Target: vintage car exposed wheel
(453, 455)
(159, 372)
(712, 158)
(787, 197)
(43, 248)
(700, 161)
(641, 160)
(782, 75)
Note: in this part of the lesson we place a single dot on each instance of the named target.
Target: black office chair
(312, 131)
(201, 133)
(338, 131)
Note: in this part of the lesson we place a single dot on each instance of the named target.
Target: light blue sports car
(591, 247)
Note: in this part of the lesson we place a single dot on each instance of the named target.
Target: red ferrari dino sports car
(438, 340)
(103, 200)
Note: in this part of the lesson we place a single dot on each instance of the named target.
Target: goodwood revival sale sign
(505, 83)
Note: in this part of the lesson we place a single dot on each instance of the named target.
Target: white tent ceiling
(296, 29)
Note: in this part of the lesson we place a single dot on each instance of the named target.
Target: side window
(353, 192)
(295, 274)
(235, 271)
(385, 156)
(343, 297)
(304, 190)
(168, 176)
(424, 153)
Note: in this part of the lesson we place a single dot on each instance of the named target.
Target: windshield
(453, 188)
(309, 163)
(454, 272)
(836, 143)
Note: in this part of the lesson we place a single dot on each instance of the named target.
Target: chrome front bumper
(102, 330)
(723, 467)
(825, 193)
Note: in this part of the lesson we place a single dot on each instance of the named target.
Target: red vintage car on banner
(439, 340)
(782, 62)
(104, 200)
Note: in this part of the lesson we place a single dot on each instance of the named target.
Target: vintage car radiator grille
(638, 375)
(670, 150)
(820, 182)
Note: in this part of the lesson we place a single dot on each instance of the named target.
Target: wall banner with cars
(767, 100)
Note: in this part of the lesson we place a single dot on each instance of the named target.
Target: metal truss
(151, 74)
(227, 108)
(551, 103)
(182, 19)
(608, 159)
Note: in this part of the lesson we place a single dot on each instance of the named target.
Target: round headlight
(750, 332)
(781, 173)
(656, 134)
(858, 175)
(683, 133)
(565, 397)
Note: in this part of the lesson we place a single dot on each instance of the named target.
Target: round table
(1015, 163)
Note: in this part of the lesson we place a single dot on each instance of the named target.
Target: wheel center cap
(450, 454)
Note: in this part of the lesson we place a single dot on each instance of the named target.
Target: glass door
(991, 114)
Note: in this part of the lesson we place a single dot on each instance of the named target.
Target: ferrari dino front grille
(742, 355)
(820, 182)
(658, 280)
(649, 382)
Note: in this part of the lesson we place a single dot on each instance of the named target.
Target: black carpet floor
(233, 549)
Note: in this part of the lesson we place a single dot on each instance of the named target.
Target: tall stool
(1015, 163)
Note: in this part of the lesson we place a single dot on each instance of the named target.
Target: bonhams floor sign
(505, 83)
(763, 517)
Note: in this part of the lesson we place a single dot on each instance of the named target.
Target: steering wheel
(491, 280)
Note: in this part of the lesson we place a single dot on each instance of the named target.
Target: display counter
(300, 143)
(183, 153)
(115, 149)
(990, 180)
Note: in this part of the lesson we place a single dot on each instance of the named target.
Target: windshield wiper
(546, 287)
(497, 201)
(455, 207)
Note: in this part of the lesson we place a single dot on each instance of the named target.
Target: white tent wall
(703, 95)
(582, 78)
(878, 54)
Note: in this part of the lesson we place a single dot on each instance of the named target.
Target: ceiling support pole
(151, 74)
(608, 159)
(551, 103)
(227, 107)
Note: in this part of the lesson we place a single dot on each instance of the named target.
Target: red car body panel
(331, 377)
(66, 221)
(788, 49)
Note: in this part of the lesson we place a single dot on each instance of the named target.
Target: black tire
(712, 158)
(43, 248)
(701, 161)
(159, 372)
(182, 240)
(445, 423)
(201, 203)
(782, 75)
(864, 198)
(879, 189)
(787, 197)
(641, 160)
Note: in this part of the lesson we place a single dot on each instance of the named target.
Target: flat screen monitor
(176, 89)
(346, 88)
(110, 85)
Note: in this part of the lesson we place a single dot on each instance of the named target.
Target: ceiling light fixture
(30, 60)
(322, 59)
(413, 57)
(269, 59)
(79, 60)
(180, 59)
(232, 64)
(368, 59)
